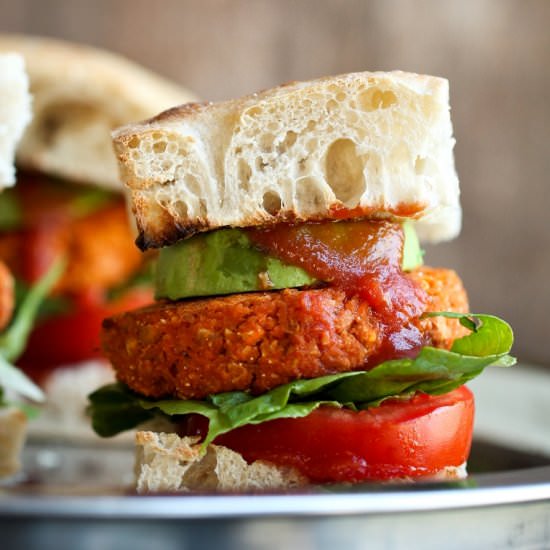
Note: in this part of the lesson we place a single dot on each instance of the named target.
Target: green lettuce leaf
(14, 379)
(434, 371)
(116, 409)
(13, 340)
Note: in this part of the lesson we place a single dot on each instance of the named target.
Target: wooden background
(496, 54)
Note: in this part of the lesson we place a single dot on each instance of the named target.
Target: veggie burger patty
(258, 341)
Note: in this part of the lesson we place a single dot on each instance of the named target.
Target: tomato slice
(399, 439)
(74, 336)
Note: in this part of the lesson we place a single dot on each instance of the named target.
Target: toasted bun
(13, 424)
(362, 144)
(15, 112)
(166, 462)
(80, 95)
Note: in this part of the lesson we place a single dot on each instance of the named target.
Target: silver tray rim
(482, 490)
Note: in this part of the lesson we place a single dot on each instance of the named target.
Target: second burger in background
(68, 203)
(16, 390)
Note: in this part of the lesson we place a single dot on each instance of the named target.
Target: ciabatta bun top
(15, 112)
(80, 95)
(362, 144)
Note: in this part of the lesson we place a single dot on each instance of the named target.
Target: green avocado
(221, 262)
(226, 262)
(412, 253)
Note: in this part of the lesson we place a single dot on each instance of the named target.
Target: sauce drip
(364, 258)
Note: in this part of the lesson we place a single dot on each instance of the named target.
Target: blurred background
(496, 54)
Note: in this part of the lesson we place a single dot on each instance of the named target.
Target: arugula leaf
(15, 380)
(434, 371)
(13, 340)
(49, 306)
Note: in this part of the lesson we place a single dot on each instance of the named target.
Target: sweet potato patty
(257, 341)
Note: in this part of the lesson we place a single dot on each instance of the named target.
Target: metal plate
(79, 497)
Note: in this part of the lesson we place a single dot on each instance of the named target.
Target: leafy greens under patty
(13, 340)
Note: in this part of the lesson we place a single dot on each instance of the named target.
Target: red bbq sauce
(364, 258)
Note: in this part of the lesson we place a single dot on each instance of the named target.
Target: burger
(68, 203)
(15, 388)
(297, 336)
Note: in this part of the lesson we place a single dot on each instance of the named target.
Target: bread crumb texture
(13, 425)
(166, 462)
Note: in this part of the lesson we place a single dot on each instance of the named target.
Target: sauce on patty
(364, 258)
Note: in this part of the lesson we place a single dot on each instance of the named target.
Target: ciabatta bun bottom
(13, 426)
(166, 462)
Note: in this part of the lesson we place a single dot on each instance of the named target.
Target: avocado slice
(412, 253)
(226, 262)
(221, 262)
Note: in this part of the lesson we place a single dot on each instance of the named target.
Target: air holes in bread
(309, 196)
(374, 98)
(181, 208)
(203, 209)
(266, 142)
(244, 175)
(344, 171)
(159, 147)
(332, 105)
(288, 141)
(272, 203)
(133, 143)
